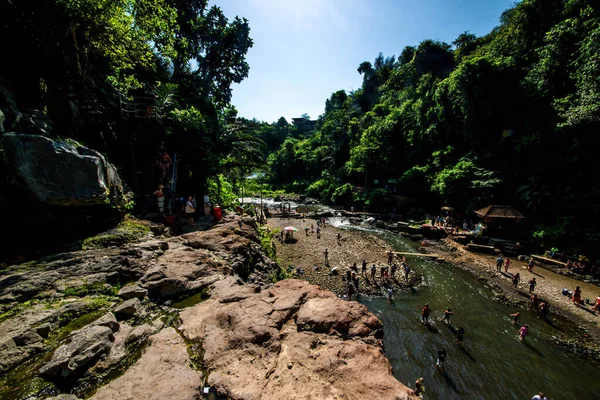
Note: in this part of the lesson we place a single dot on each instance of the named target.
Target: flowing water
(492, 363)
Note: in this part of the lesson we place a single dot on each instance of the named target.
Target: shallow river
(492, 363)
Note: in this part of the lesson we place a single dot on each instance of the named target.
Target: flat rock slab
(163, 372)
(293, 341)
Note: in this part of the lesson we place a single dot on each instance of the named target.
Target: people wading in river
(532, 284)
(447, 314)
(419, 387)
(425, 311)
(460, 333)
(406, 271)
(373, 272)
(523, 332)
(531, 264)
(499, 262)
(544, 307)
(506, 264)
(441, 358)
(533, 302)
(515, 318)
(515, 280)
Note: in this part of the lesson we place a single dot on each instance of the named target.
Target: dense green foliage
(511, 117)
(88, 63)
(508, 118)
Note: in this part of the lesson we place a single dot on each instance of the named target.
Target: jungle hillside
(511, 117)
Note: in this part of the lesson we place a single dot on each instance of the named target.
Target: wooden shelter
(500, 213)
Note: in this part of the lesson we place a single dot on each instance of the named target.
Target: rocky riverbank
(181, 316)
(577, 329)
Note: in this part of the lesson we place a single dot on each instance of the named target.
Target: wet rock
(381, 225)
(129, 309)
(19, 336)
(131, 291)
(163, 372)
(86, 346)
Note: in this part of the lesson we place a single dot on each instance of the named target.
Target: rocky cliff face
(58, 173)
(54, 189)
(171, 318)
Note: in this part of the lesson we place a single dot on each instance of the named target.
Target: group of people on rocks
(184, 207)
(577, 267)
(449, 222)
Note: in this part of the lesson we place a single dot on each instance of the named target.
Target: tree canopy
(511, 117)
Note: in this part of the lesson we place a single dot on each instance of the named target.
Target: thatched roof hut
(490, 212)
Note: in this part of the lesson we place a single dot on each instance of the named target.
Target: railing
(139, 107)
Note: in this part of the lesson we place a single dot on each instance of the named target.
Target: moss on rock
(129, 230)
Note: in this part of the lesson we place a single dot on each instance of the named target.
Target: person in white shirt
(189, 211)
(206, 206)
(539, 396)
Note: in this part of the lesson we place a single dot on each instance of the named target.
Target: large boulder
(59, 173)
(57, 192)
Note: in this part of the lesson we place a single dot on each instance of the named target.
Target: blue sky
(304, 50)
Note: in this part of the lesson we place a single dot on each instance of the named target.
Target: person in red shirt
(597, 304)
(425, 312)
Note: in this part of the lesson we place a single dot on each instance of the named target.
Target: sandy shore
(577, 326)
(307, 252)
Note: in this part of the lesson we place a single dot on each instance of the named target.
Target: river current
(492, 363)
